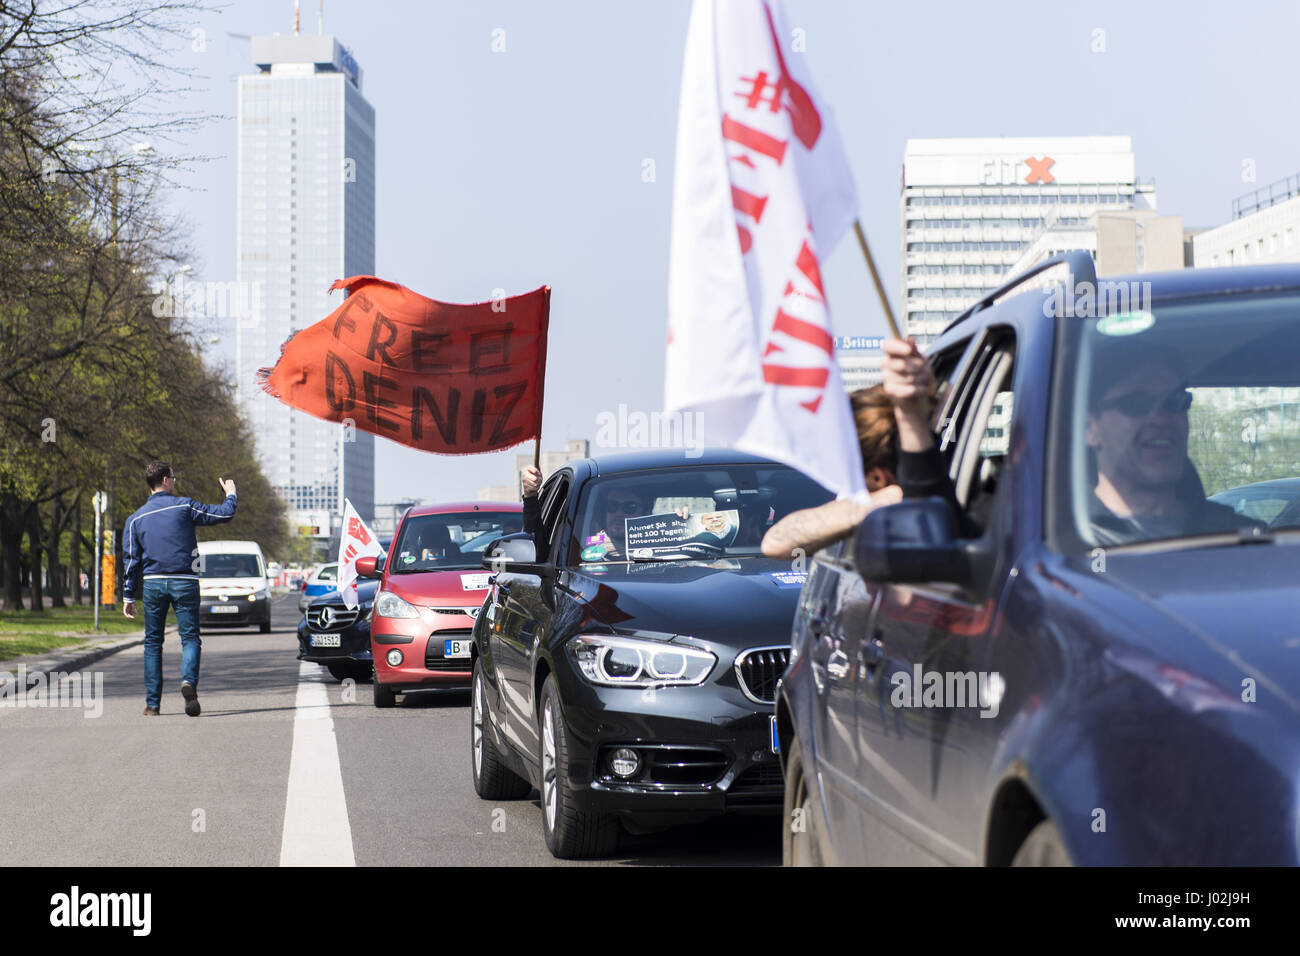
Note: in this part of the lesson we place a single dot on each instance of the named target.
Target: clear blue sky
(521, 168)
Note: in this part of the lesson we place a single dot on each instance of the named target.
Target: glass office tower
(306, 216)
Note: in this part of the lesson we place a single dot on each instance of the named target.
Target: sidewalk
(65, 659)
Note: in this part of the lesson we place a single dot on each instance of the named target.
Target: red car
(431, 589)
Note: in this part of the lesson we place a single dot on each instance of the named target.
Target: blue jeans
(182, 594)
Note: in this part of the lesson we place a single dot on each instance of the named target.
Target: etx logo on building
(852, 342)
(1009, 172)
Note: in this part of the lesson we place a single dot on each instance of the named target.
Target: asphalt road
(231, 788)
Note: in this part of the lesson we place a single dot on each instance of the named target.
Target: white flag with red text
(762, 193)
(356, 541)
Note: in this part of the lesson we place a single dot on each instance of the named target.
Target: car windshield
(230, 566)
(1182, 420)
(687, 513)
(450, 541)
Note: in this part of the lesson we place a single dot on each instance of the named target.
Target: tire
(385, 696)
(571, 834)
(799, 846)
(265, 627)
(340, 672)
(493, 780)
(1043, 847)
(361, 673)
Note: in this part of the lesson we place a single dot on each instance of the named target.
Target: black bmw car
(337, 636)
(626, 659)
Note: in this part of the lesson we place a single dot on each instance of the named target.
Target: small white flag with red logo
(762, 193)
(356, 541)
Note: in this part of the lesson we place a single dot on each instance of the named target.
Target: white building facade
(970, 207)
(1266, 229)
(305, 209)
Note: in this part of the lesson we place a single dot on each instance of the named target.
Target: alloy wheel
(549, 792)
(477, 732)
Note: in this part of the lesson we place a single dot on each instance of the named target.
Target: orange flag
(446, 378)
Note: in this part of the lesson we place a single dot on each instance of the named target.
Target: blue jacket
(159, 538)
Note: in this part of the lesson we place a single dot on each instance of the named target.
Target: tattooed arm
(814, 528)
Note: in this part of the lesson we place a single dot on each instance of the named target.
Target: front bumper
(240, 612)
(354, 644)
(704, 750)
(424, 664)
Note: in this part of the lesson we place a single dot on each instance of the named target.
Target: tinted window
(687, 513)
(1173, 403)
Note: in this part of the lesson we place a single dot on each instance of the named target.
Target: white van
(233, 590)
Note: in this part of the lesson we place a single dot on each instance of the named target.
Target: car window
(690, 512)
(553, 496)
(985, 446)
(1171, 408)
(230, 566)
(328, 573)
(450, 541)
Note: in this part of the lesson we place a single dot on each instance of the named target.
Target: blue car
(1070, 655)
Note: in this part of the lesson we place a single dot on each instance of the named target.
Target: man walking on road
(161, 549)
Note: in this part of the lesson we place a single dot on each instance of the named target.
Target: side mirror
(515, 554)
(912, 541)
(368, 567)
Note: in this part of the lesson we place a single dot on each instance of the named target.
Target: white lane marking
(316, 828)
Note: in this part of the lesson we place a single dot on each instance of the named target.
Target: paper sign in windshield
(665, 535)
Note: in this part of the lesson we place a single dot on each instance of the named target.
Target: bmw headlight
(631, 662)
(388, 604)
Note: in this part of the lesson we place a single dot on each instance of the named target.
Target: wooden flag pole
(541, 383)
(875, 277)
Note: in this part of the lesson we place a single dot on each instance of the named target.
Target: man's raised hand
(532, 480)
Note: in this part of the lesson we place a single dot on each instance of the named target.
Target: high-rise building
(969, 208)
(1265, 228)
(305, 207)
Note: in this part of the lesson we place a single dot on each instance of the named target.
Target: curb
(83, 656)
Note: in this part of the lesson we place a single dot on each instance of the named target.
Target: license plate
(325, 640)
(224, 609)
(456, 648)
(776, 740)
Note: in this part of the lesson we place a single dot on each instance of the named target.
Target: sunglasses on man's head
(1140, 403)
(623, 507)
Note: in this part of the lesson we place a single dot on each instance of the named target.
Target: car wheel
(340, 672)
(1043, 847)
(798, 841)
(361, 673)
(265, 627)
(493, 780)
(384, 696)
(570, 833)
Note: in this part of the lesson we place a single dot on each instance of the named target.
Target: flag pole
(541, 379)
(875, 277)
